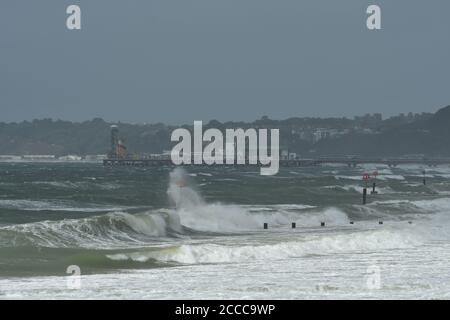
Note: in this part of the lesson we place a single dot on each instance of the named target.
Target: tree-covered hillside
(370, 135)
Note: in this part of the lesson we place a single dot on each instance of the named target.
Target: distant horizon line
(263, 117)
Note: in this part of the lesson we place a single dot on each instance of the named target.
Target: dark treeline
(424, 134)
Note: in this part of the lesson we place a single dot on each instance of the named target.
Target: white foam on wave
(92, 183)
(331, 216)
(112, 230)
(393, 236)
(379, 177)
(390, 176)
(441, 175)
(384, 171)
(193, 212)
(431, 217)
(277, 207)
(432, 206)
(205, 174)
(443, 193)
(437, 225)
(217, 218)
(389, 202)
(435, 205)
(364, 242)
(421, 175)
(227, 179)
(359, 188)
(63, 205)
(373, 166)
(412, 184)
(289, 206)
(341, 177)
(442, 170)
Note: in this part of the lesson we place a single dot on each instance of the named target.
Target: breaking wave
(193, 212)
(191, 215)
(116, 229)
(369, 241)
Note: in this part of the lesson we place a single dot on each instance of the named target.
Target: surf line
(238, 147)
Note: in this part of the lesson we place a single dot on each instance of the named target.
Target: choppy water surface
(161, 233)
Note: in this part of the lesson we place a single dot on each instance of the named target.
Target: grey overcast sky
(177, 61)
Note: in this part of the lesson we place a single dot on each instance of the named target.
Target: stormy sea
(84, 231)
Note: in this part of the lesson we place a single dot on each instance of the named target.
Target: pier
(351, 162)
(119, 156)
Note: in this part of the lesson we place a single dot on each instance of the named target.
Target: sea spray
(181, 191)
(194, 212)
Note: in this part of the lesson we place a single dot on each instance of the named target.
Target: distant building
(10, 158)
(118, 150)
(286, 155)
(95, 157)
(320, 134)
(293, 156)
(370, 120)
(114, 141)
(39, 157)
(121, 152)
(70, 158)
